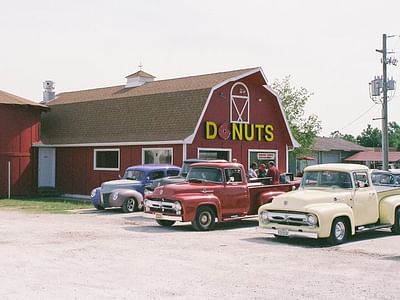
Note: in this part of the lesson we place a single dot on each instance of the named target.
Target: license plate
(283, 232)
(158, 215)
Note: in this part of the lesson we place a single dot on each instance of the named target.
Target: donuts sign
(239, 132)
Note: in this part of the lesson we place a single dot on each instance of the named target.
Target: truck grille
(161, 205)
(290, 218)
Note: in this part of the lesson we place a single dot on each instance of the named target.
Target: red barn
(91, 136)
(19, 129)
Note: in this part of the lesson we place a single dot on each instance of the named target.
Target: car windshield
(204, 174)
(382, 178)
(134, 175)
(396, 179)
(326, 179)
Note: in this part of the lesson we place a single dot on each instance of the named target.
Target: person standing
(273, 172)
(252, 171)
(261, 171)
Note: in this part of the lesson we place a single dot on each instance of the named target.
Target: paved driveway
(111, 255)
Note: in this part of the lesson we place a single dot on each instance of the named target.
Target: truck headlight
(312, 219)
(178, 207)
(93, 193)
(264, 216)
(114, 196)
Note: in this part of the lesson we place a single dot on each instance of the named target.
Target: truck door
(234, 199)
(365, 200)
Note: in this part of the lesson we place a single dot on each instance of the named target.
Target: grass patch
(44, 205)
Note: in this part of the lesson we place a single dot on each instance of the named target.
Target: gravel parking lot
(111, 255)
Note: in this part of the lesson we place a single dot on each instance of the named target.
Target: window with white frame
(209, 153)
(106, 159)
(157, 156)
(262, 156)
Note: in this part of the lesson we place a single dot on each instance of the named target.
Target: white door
(47, 167)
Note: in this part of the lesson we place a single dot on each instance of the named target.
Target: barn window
(157, 156)
(214, 153)
(106, 159)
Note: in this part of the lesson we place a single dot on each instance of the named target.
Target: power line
(359, 117)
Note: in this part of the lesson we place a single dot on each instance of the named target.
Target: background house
(329, 150)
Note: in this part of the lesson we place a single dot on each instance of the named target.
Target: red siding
(19, 129)
(75, 172)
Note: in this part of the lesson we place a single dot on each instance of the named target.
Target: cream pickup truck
(334, 201)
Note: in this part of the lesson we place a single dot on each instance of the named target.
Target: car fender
(124, 194)
(96, 199)
(387, 208)
(266, 197)
(327, 212)
(190, 203)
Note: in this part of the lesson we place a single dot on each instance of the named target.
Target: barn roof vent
(137, 79)
(49, 93)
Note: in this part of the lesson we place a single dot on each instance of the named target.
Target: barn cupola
(137, 79)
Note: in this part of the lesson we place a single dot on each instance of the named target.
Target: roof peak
(137, 79)
(140, 73)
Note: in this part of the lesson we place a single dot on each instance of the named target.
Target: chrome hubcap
(131, 204)
(340, 231)
(205, 218)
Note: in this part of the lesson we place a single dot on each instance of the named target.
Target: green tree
(394, 135)
(370, 137)
(304, 128)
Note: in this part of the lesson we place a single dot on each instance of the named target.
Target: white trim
(190, 138)
(247, 104)
(184, 152)
(160, 149)
(287, 158)
(106, 150)
(117, 144)
(263, 150)
(279, 100)
(229, 150)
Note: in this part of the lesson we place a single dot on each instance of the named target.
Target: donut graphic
(224, 131)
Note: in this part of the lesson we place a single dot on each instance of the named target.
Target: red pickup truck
(211, 190)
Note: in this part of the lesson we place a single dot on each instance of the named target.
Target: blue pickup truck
(127, 192)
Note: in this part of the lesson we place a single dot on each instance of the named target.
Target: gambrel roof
(157, 112)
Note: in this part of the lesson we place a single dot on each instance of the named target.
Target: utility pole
(385, 144)
(380, 86)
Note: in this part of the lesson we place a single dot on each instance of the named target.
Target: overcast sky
(328, 47)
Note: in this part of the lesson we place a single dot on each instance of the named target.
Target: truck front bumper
(288, 232)
(160, 216)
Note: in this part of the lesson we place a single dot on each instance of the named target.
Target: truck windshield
(134, 175)
(325, 179)
(204, 174)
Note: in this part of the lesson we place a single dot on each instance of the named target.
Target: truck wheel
(166, 223)
(205, 219)
(99, 207)
(396, 226)
(339, 232)
(129, 205)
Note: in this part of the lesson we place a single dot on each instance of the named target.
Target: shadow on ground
(150, 225)
(313, 243)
